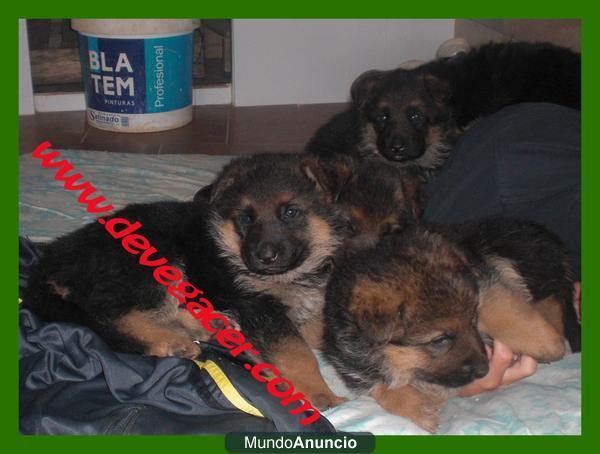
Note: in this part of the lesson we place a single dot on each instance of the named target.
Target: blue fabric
(523, 162)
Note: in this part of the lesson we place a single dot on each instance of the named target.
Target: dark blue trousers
(523, 162)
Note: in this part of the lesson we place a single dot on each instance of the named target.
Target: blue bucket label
(137, 76)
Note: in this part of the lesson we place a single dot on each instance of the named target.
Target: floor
(221, 129)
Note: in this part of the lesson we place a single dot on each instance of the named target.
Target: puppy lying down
(404, 321)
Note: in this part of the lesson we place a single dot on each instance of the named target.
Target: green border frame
(278, 9)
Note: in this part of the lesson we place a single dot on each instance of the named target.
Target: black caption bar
(299, 442)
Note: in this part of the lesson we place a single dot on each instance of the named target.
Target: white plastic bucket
(137, 73)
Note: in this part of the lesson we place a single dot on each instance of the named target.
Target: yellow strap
(227, 388)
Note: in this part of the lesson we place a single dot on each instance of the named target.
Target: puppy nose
(266, 253)
(398, 148)
(477, 369)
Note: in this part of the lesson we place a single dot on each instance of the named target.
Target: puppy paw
(325, 401)
(552, 351)
(428, 421)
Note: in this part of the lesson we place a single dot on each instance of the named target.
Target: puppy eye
(442, 340)
(381, 118)
(245, 219)
(416, 117)
(290, 212)
(390, 229)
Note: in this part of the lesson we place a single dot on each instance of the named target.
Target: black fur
(416, 115)
(104, 282)
(421, 253)
(379, 200)
(414, 259)
(538, 255)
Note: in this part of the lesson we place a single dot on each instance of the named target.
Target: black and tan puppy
(402, 314)
(378, 199)
(415, 115)
(261, 246)
(279, 232)
(404, 321)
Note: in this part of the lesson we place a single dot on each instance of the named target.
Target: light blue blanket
(549, 402)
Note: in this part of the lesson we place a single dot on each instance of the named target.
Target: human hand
(505, 368)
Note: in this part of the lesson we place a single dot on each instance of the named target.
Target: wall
(315, 61)
(25, 85)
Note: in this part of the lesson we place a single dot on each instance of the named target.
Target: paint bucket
(137, 74)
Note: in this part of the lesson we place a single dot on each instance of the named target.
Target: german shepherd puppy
(415, 115)
(404, 321)
(378, 200)
(262, 247)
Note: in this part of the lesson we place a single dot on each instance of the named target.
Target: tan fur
(400, 363)
(400, 196)
(436, 150)
(312, 332)
(552, 311)
(369, 138)
(435, 134)
(410, 403)
(228, 237)
(283, 198)
(245, 202)
(376, 305)
(60, 290)
(167, 330)
(357, 214)
(509, 276)
(436, 392)
(505, 315)
(161, 340)
(296, 362)
(441, 253)
(314, 173)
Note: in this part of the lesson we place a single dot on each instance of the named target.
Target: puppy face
(418, 309)
(403, 115)
(272, 216)
(379, 200)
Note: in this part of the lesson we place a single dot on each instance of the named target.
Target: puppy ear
(204, 194)
(329, 174)
(438, 88)
(363, 85)
(227, 178)
(377, 311)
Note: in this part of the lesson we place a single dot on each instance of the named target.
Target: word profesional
(201, 308)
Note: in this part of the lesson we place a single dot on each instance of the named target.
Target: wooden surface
(214, 130)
